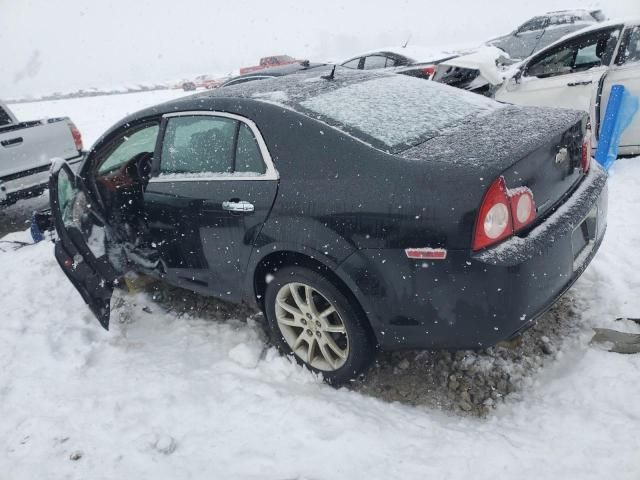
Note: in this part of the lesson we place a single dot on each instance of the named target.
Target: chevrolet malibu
(358, 210)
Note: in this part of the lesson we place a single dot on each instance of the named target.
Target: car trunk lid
(538, 148)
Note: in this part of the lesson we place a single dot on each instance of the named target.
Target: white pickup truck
(26, 150)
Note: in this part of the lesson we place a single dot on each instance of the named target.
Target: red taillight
(494, 219)
(77, 137)
(523, 207)
(428, 71)
(502, 213)
(585, 161)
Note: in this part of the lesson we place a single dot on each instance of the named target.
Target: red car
(201, 81)
(268, 62)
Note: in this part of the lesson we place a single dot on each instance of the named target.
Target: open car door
(81, 246)
(565, 75)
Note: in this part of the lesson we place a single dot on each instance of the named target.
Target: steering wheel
(138, 168)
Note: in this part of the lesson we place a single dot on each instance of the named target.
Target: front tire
(315, 322)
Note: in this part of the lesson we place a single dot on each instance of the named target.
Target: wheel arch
(278, 259)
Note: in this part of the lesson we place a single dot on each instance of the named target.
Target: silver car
(538, 32)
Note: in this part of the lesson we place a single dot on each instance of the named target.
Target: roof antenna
(407, 42)
(331, 75)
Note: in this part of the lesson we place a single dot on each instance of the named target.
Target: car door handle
(11, 142)
(576, 84)
(241, 206)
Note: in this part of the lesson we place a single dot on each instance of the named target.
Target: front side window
(577, 55)
(374, 61)
(75, 213)
(134, 142)
(209, 145)
(352, 63)
(557, 63)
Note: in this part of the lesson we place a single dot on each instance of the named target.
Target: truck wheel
(312, 320)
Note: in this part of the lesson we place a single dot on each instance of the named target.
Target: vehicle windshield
(396, 112)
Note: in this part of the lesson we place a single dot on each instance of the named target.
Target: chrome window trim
(270, 174)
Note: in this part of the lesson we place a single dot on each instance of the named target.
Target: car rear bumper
(474, 300)
(28, 183)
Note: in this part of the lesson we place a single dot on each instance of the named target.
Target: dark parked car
(357, 211)
(273, 72)
(412, 61)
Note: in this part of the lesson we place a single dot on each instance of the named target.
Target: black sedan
(357, 210)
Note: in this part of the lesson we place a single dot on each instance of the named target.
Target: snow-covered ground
(162, 396)
(93, 115)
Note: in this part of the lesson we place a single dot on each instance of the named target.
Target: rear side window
(374, 61)
(248, 157)
(209, 145)
(395, 112)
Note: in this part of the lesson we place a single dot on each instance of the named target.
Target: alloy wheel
(311, 326)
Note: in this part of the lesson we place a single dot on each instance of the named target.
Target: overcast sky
(63, 45)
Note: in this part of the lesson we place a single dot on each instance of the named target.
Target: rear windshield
(396, 112)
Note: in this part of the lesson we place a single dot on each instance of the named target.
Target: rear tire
(311, 319)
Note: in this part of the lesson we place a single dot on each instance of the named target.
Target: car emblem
(562, 155)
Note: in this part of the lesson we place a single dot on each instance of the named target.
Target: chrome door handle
(575, 84)
(241, 206)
